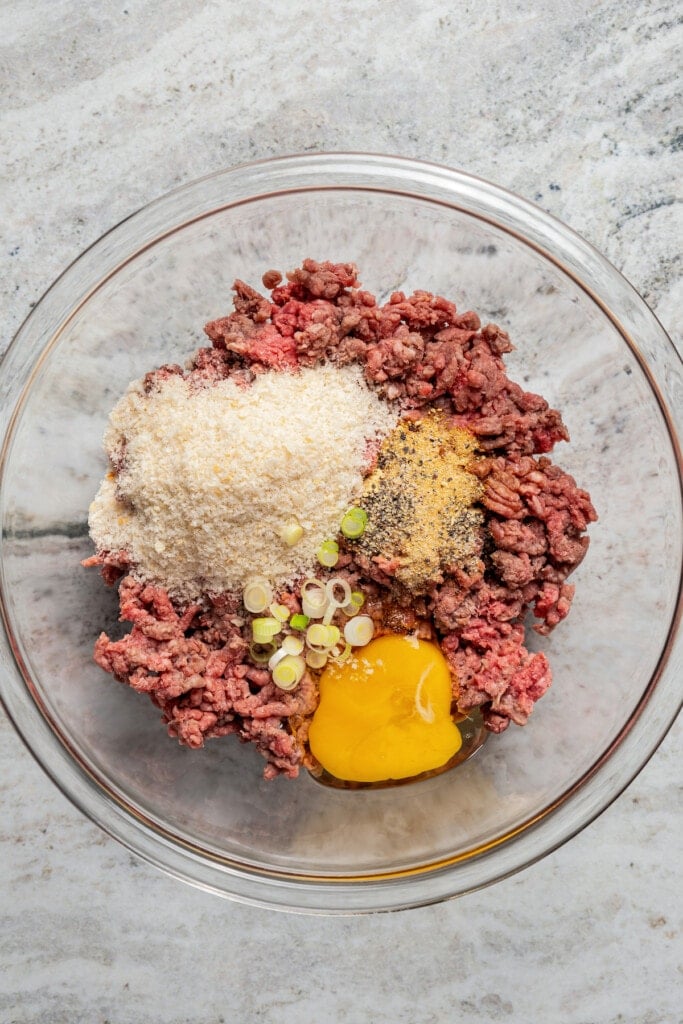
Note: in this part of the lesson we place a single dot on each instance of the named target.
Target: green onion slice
(263, 630)
(359, 630)
(313, 598)
(257, 595)
(292, 644)
(333, 635)
(276, 658)
(292, 532)
(288, 672)
(279, 612)
(354, 522)
(338, 591)
(316, 659)
(261, 653)
(341, 654)
(316, 636)
(328, 553)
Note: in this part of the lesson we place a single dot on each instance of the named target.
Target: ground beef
(416, 348)
(112, 564)
(193, 666)
(419, 350)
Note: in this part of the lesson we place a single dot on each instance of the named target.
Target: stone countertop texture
(106, 105)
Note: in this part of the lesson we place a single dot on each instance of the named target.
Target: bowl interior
(150, 311)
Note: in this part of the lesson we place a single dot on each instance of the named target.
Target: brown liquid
(473, 737)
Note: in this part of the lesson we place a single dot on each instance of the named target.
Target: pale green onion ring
(340, 655)
(279, 612)
(257, 595)
(359, 630)
(354, 522)
(316, 659)
(264, 629)
(262, 653)
(313, 598)
(292, 532)
(328, 553)
(289, 672)
(292, 644)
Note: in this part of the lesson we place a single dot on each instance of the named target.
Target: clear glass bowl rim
(661, 700)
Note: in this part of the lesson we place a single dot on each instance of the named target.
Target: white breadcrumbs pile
(211, 475)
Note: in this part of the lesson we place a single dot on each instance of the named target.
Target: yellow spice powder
(421, 501)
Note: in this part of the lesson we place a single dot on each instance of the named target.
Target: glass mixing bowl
(585, 340)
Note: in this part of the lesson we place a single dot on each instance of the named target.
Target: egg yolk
(386, 713)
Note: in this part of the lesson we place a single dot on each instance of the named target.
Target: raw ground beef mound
(193, 662)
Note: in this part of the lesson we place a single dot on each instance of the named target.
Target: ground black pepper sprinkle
(422, 502)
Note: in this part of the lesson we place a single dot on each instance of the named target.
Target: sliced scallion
(354, 522)
(317, 636)
(355, 603)
(313, 598)
(279, 612)
(316, 659)
(288, 672)
(292, 532)
(292, 644)
(338, 591)
(276, 657)
(328, 553)
(299, 621)
(257, 595)
(333, 635)
(261, 653)
(341, 654)
(322, 637)
(263, 630)
(359, 630)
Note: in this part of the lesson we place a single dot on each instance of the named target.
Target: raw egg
(385, 713)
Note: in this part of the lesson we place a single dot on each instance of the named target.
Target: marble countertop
(108, 105)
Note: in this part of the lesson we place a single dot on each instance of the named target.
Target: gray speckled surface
(107, 106)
